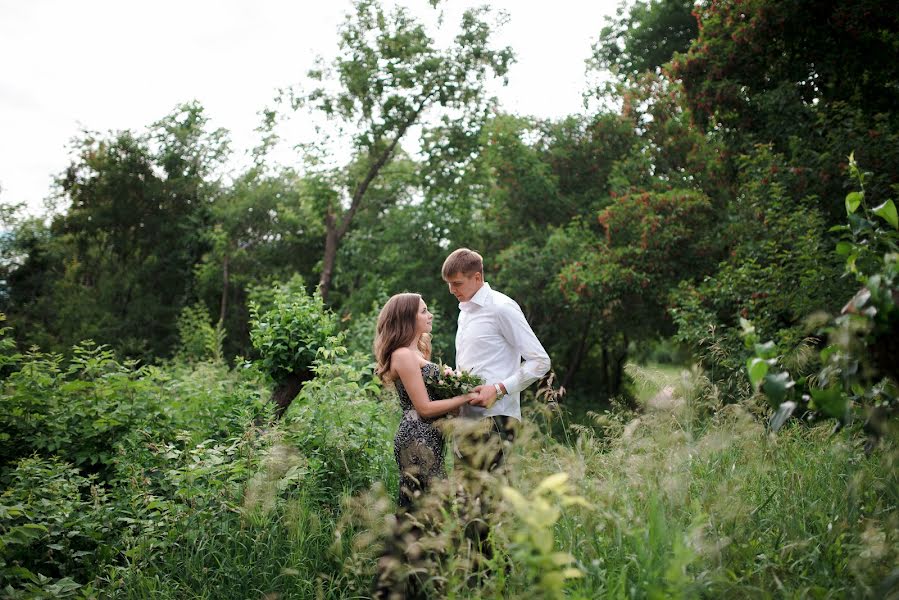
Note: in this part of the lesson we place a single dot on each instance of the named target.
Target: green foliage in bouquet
(447, 383)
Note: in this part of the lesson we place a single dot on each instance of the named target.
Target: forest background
(724, 201)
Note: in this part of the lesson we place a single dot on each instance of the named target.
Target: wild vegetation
(709, 254)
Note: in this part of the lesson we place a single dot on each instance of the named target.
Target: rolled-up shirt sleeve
(518, 333)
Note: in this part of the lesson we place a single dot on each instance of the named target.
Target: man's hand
(485, 395)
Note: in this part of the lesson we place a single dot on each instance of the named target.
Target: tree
(778, 270)
(789, 90)
(815, 79)
(757, 57)
(649, 243)
(528, 270)
(262, 228)
(547, 194)
(547, 178)
(644, 36)
(30, 259)
(290, 328)
(116, 267)
(388, 74)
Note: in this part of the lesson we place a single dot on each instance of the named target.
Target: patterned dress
(418, 447)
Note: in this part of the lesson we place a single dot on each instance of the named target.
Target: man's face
(463, 287)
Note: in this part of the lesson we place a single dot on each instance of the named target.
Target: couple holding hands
(493, 342)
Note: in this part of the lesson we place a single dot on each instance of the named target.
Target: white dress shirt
(492, 340)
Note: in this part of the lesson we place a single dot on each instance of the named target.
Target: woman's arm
(407, 368)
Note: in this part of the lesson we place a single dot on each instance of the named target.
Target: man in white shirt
(495, 342)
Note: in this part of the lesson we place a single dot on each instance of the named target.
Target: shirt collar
(478, 300)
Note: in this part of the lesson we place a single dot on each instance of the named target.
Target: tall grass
(683, 500)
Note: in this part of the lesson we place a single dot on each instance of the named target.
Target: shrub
(80, 410)
(198, 338)
(779, 271)
(288, 331)
(858, 368)
(57, 530)
(343, 429)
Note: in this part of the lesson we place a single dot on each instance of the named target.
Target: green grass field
(691, 500)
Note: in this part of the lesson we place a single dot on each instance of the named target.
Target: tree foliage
(702, 201)
(685, 179)
(644, 36)
(816, 79)
(778, 270)
(857, 374)
(760, 62)
(264, 227)
(290, 329)
(388, 73)
(117, 264)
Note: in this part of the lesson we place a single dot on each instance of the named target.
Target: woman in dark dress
(402, 349)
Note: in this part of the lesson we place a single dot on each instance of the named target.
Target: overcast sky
(107, 65)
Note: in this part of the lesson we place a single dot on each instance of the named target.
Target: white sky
(67, 65)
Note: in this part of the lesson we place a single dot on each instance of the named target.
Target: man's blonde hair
(464, 261)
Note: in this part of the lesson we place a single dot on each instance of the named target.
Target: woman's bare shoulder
(403, 356)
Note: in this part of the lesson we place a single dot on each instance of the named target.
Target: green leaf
(748, 333)
(831, 401)
(24, 534)
(776, 387)
(757, 369)
(20, 572)
(859, 224)
(853, 199)
(887, 211)
(844, 248)
(873, 284)
(781, 415)
(766, 350)
(828, 351)
(63, 586)
(746, 326)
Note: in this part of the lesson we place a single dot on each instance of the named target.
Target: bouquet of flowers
(447, 383)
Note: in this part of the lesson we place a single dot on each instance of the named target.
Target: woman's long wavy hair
(395, 329)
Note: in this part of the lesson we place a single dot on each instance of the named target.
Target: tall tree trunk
(617, 359)
(223, 306)
(604, 367)
(622, 360)
(331, 244)
(615, 375)
(337, 228)
(578, 356)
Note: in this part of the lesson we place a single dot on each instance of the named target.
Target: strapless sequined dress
(419, 446)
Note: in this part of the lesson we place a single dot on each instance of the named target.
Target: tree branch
(376, 167)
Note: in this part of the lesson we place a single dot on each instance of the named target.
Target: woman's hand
(485, 396)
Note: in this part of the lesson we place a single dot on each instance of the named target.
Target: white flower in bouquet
(448, 383)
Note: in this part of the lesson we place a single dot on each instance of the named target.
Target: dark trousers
(483, 448)
(484, 445)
